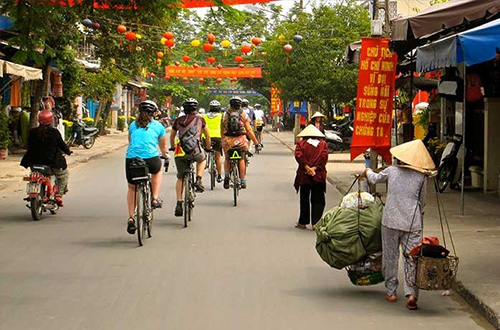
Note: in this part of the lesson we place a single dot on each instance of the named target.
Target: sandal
(411, 304)
(300, 226)
(391, 298)
(131, 226)
(157, 203)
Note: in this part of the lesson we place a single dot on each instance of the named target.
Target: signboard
(231, 92)
(180, 71)
(276, 106)
(373, 121)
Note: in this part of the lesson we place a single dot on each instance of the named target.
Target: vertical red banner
(276, 101)
(374, 103)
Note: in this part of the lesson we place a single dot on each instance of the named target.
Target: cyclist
(235, 128)
(183, 126)
(250, 113)
(259, 121)
(214, 119)
(145, 136)
(45, 147)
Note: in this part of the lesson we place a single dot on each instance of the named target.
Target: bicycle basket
(138, 170)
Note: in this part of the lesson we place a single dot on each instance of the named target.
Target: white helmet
(201, 111)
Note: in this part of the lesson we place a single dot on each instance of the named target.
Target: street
(242, 267)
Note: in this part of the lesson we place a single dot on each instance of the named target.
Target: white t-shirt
(259, 116)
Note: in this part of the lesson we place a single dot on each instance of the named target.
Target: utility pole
(296, 126)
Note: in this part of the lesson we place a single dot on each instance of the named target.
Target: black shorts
(217, 144)
(260, 128)
(154, 166)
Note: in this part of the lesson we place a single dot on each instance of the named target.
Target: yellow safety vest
(214, 125)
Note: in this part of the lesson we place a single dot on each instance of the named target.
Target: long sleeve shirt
(406, 197)
(45, 147)
(314, 156)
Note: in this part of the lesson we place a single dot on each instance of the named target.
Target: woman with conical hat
(317, 120)
(402, 219)
(311, 154)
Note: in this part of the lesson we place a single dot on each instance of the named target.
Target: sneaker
(178, 210)
(219, 178)
(131, 226)
(198, 185)
(226, 182)
(156, 203)
(243, 184)
(59, 200)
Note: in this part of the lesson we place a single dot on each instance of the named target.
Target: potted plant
(4, 133)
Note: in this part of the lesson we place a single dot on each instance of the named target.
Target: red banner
(182, 71)
(373, 121)
(276, 101)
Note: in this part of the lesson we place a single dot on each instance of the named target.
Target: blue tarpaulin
(298, 107)
(5, 23)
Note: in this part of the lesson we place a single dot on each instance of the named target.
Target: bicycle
(234, 173)
(212, 168)
(143, 202)
(189, 192)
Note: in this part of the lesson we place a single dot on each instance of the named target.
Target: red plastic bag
(415, 252)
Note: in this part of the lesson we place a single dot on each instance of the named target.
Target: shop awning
(441, 16)
(473, 46)
(24, 71)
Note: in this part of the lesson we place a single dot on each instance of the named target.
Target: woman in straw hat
(402, 219)
(317, 120)
(312, 155)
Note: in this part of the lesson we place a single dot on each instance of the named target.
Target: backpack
(235, 124)
(188, 138)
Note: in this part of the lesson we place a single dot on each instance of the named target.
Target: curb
(477, 304)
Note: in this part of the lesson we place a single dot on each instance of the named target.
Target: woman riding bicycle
(145, 136)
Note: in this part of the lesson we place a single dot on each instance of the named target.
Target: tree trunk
(98, 112)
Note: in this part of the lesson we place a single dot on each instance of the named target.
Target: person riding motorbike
(145, 136)
(46, 147)
(235, 129)
(213, 120)
(183, 126)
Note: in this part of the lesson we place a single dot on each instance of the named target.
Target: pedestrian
(311, 154)
(317, 120)
(403, 213)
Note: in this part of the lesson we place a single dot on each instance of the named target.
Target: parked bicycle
(189, 192)
(41, 190)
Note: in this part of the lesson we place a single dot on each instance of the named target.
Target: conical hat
(311, 131)
(317, 114)
(414, 153)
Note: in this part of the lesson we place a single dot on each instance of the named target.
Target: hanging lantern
(195, 43)
(287, 48)
(168, 77)
(241, 66)
(121, 29)
(210, 38)
(153, 75)
(163, 41)
(281, 38)
(168, 35)
(211, 60)
(196, 66)
(177, 63)
(297, 38)
(96, 26)
(245, 49)
(170, 43)
(191, 80)
(186, 58)
(130, 36)
(256, 41)
(158, 61)
(225, 43)
(238, 59)
(185, 79)
(138, 36)
(201, 80)
(176, 78)
(263, 54)
(160, 54)
(219, 80)
(219, 66)
(87, 22)
(207, 47)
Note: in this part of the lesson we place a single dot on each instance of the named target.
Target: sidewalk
(476, 235)
(11, 173)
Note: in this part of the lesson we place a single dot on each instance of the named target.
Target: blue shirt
(144, 141)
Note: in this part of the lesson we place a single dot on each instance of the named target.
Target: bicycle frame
(144, 209)
(189, 192)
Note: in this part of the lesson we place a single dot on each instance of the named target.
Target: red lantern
(241, 66)
(160, 54)
(256, 41)
(130, 36)
(207, 47)
(153, 75)
(210, 38)
(219, 80)
(191, 80)
(177, 63)
(168, 77)
(168, 35)
(176, 78)
(186, 58)
(211, 60)
(201, 80)
(170, 43)
(121, 28)
(245, 49)
(158, 61)
(196, 66)
(219, 66)
(287, 48)
(238, 59)
(184, 79)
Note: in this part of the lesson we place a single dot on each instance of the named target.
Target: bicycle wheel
(187, 185)
(37, 205)
(139, 214)
(192, 195)
(236, 183)
(149, 211)
(212, 171)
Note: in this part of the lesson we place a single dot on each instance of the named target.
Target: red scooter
(41, 190)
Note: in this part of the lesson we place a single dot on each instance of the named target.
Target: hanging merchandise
(15, 92)
(57, 87)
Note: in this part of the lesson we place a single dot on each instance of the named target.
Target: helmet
(257, 106)
(148, 106)
(45, 117)
(235, 102)
(244, 101)
(190, 105)
(214, 106)
(201, 111)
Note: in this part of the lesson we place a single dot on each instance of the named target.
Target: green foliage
(4, 129)
(423, 118)
(102, 84)
(130, 120)
(120, 125)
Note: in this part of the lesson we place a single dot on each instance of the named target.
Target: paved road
(233, 268)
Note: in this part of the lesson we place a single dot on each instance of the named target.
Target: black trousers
(312, 203)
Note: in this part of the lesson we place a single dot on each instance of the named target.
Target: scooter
(335, 142)
(450, 161)
(41, 190)
(82, 135)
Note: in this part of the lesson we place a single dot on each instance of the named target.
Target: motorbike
(82, 135)
(41, 190)
(450, 160)
(339, 137)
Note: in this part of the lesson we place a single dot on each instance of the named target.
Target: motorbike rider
(145, 136)
(235, 129)
(46, 147)
(182, 125)
(213, 120)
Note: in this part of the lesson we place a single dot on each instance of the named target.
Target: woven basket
(436, 273)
